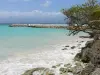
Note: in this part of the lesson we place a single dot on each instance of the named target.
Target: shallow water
(22, 48)
(22, 39)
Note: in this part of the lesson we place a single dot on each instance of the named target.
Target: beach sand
(62, 54)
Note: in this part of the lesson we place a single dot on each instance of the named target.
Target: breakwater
(40, 25)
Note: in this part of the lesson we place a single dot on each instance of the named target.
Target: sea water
(22, 48)
(22, 39)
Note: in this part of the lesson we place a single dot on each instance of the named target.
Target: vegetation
(84, 17)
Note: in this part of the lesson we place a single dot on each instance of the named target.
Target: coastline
(61, 55)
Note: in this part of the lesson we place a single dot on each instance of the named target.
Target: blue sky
(34, 11)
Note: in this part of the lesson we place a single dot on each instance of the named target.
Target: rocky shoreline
(75, 68)
(90, 54)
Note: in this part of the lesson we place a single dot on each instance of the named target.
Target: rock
(90, 54)
(85, 55)
(89, 44)
(70, 70)
(88, 69)
(39, 71)
(79, 44)
(58, 65)
(49, 73)
(95, 53)
(63, 70)
(78, 63)
(78, 57)
(96, 72)
(31, 71)
(67, 46)
(54, 67)
(67, 65)
(64, 49)
(64, 74)
(77, 69)
(84, 36)
(72, 47)
(81, 41)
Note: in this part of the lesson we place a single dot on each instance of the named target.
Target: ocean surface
(22, 39)
(22, 48)
(15, 40)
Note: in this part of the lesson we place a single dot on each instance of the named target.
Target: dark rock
(63, 70)
(67, 65)
(96, 72)
(85, 59)
(50, 73)
(64, 49)
(72, 47)
(84, 36)
(89, 44)
(72, 53)
(30, 72)
(77, 69)
(81, 41)
(85, 54)
(58, 65)
(67, 46)
(88, 70)
(95, 53)
(90, 54)
(78, 57)
(79, 44)
(54, 67)
(42, 71)
(78, 63)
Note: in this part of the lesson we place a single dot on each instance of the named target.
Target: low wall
(39, 25)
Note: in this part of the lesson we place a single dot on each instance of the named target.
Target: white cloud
(34, 16)
(31, 13)
(47, 3)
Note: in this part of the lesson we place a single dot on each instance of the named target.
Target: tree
(80, 17)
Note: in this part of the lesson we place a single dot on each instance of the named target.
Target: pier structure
(40, 25)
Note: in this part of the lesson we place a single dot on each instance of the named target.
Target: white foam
(17, 65)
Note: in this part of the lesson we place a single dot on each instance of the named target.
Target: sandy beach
(63, 54)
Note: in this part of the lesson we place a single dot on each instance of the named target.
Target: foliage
(85, 14)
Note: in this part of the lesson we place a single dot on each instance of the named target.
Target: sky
(34, 11)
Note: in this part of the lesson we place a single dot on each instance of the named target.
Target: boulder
(96, 72)
(88, 69)
(67, 46)
(31, 71)
(67, 65)
(76, 69)
(78, 57)
(39, 71)
(73, 47)
(64, 49)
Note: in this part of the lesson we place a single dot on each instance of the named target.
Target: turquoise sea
(23, 48)
(23, 39)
